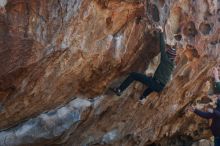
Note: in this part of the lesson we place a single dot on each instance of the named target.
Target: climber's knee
(132, 74)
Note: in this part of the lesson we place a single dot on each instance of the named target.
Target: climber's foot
(142, 102)
(142, 99)
(117, 91)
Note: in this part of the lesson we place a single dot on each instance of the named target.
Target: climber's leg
(133, 77)
(125, 83)
(217, 141)
(146, 93)
(137, 77)
(154, 85)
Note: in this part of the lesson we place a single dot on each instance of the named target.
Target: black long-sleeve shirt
(215, 116)
(166, 66)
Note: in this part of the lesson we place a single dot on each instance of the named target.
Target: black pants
(152, 84)
(217, 141)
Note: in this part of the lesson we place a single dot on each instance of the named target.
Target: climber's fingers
(2, 10)
(215, 68)
(215, 71)
(159, 28)
(190, 108)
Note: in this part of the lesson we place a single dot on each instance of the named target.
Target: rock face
(203, 142)
(59, 57)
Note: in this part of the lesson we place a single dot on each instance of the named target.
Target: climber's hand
(215, 71)
(191, 109)
(216, 74)
(159, 28)
(150, 75)
(2, 10)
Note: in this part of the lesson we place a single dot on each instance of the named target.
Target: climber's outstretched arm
(206, 115)
(162, 44)
(161, 41)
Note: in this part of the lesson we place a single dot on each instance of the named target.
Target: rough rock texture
(203, 142)
(58, 57)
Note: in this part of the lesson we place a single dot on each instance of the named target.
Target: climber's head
(171, 52)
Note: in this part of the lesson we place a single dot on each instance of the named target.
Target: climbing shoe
(142, 97)
(117, 91)
(142, 101)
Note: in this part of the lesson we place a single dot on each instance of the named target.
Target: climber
(215, 115)
(161, 76)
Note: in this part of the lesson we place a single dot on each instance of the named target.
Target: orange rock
(52, 52)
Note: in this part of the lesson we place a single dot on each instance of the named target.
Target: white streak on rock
(45, 126)
(3, 3)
